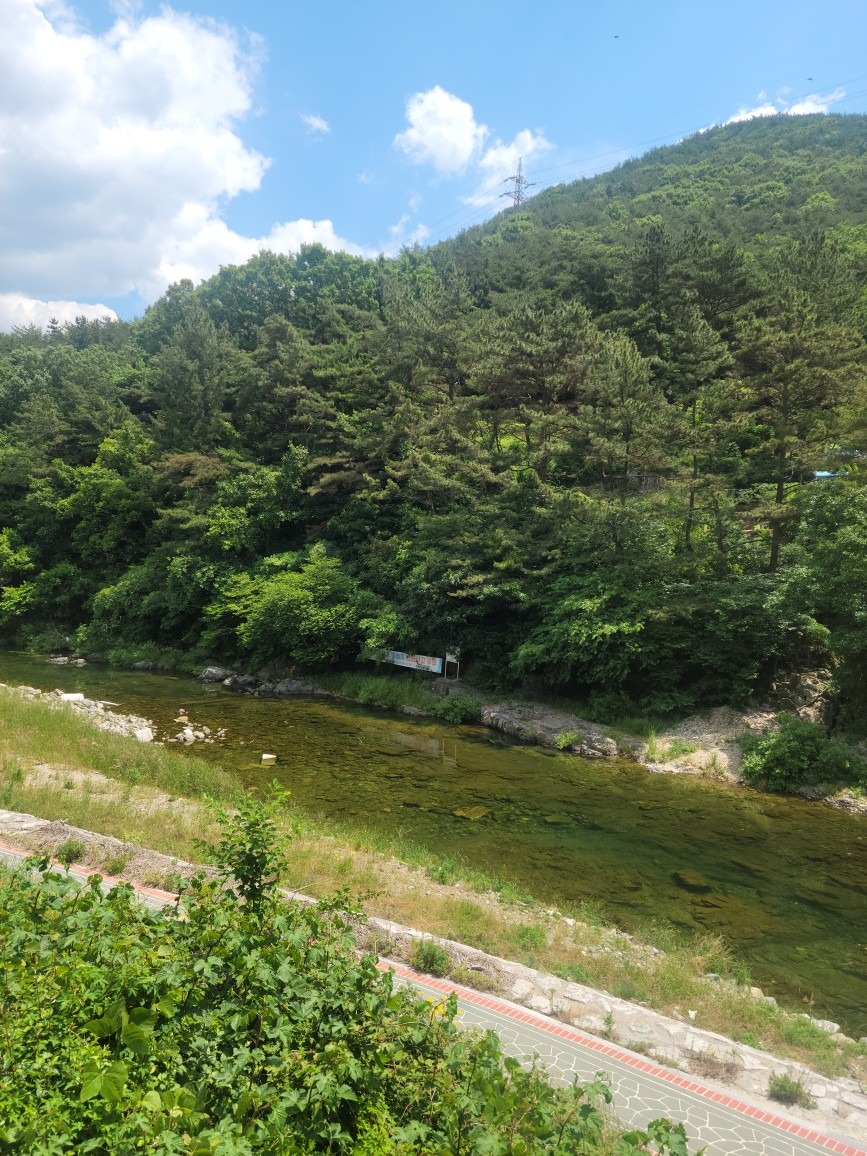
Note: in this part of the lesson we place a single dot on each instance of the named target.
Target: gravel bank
(98, 711)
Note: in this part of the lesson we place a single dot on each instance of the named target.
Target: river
(787, 878)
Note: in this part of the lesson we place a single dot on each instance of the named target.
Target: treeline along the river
(612, 443)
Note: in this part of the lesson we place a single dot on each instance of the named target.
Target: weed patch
(430, 958)
(711, 1066)
(479, 980)
(785, 1090)
(70, 852)
(565, 740)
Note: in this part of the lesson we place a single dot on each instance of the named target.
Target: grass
(159, 798)
(617, 722)
(34, 730)
(469, 977)
(659, 752)
(121, 816)
(750, 1039)
(163, 658)
(398, 692)
(566, 739)
(383, 690)
(785, 1090)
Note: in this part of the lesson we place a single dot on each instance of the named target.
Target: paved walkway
(643, 1091)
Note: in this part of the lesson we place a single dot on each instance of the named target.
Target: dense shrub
(70, 852)
(303, 608)
(798, 754)
(246, 1026)
(458, 708)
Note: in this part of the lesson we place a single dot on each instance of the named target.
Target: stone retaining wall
(841, 1102)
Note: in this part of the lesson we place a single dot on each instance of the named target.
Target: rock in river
(215, 674)
(469, 812)
(692, 880)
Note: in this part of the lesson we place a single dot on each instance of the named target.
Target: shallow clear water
(787, 878)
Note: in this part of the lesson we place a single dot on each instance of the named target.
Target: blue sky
(145, 142)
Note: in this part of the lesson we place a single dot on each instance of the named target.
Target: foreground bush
(238, 1024)
(798, 754)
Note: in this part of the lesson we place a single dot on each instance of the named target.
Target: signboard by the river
(415, 661)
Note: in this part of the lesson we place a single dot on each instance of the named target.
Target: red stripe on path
(597, 1045)
(552, 1028)
(155, 892)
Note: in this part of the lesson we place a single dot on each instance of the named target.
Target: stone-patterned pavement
(643, 1090)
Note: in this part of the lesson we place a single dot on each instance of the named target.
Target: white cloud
(500, 161)
(315, 123)
(815, 102)
(201, 242)
(399, 227)
(124, 8)
(18, 310)
(120, 150)
(403, 232)
(744, 113)
(442, 132)
(400, 234)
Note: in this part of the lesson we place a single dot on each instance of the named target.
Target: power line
(466, 216)
(519, 193)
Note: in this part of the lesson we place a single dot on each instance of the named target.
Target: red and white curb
(554, 1028)
(630, 1059)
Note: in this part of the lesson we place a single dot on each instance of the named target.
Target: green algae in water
(783, 880)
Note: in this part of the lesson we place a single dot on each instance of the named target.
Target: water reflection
(782, 879)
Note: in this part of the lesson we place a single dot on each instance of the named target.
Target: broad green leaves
(248, 1026)
(106, 1082)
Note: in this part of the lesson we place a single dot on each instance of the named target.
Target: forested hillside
(611, 443)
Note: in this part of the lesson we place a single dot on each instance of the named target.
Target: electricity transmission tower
(519, 193)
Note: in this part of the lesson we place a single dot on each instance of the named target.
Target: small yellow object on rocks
(268, 760)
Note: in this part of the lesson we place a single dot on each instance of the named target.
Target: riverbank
(58, 766)
(835, 1104)
(706, 744)
(640, 1087)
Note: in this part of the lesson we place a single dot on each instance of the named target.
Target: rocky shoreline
(704, 745)
(98, 711)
